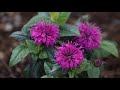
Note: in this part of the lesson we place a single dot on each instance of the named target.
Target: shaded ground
(108, 21)
(7, 44)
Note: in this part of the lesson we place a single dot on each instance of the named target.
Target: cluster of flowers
(69, 55)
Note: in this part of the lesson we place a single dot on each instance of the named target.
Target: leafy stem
(71, 73)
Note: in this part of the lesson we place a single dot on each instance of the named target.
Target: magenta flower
(68, 56)
(45, 33)
(90, 36)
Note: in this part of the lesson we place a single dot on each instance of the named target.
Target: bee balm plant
(59, 49)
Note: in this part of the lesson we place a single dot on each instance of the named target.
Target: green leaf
(34, 57)
(46, 68)
(18, 54)
(26, 71)
(110, 47)
(94, 72)
(19, 35)
(69, 30)
(30, 44)
(50, 53)
(33, 21)
(50, 65)
(99, 53)
(36, 18)
(63, 17)
(57, 71)
(45, 14)
(34, 69)
(54, 16)
(33, 47)
(43, 54)
(60, 17)
(86, 65)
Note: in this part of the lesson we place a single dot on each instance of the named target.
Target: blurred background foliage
(13, 21)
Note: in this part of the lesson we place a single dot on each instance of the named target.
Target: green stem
(71, 74)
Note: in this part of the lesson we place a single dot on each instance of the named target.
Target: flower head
(90, 36)
(45, 33)
(68, 56)
(98, 62)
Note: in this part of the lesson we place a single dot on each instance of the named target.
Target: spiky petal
(45, 33)
(90, 36)
(68, 56)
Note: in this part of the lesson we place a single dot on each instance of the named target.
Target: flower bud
(98, 62)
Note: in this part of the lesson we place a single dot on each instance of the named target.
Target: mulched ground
(10, 22)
